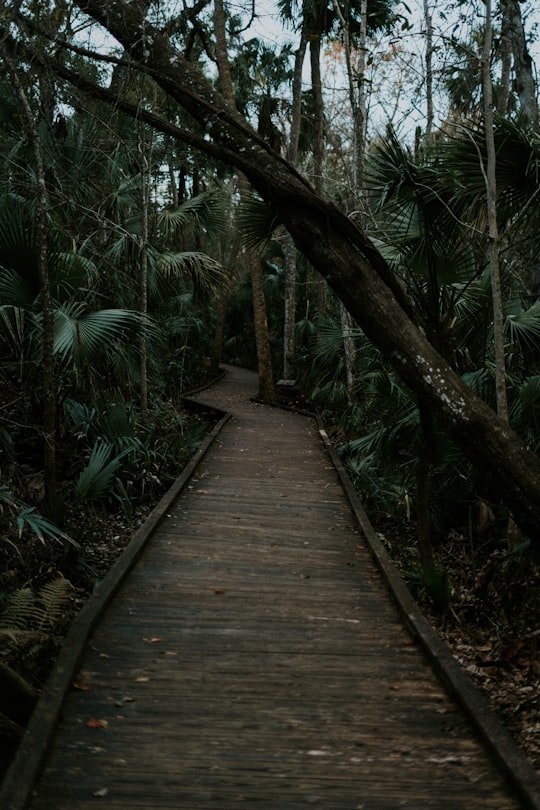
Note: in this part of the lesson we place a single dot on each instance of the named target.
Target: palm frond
(13, 326)
(523, 327)
(98, 479)
(204, 273)
(256, 222)
(81, 336)
(40, 526)
(207, 210)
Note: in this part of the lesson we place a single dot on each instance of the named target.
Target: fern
(27, 616)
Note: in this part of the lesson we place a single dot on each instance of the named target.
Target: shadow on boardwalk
(253, 658)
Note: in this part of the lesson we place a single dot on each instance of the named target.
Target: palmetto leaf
(524, 327)
(205, 273)
(15, 289)
(80, 336)
(41, 527)
(13, 322)
(70, 272)
(98, 480)
(256, 222)
(207, 210)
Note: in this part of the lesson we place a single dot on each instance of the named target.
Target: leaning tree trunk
(335, 246)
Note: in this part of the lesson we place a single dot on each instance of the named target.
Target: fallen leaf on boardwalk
(201, 491)
(100, 793)
(82, 687)
(153, 640)
(395, 686)
(103, 655)
(448, 760)
(219, 591)
(93, 723)
(142, 679)
(450, 709)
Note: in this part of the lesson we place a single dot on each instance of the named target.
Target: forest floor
(490, 622)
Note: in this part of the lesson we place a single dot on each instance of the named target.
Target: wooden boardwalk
(254, 658)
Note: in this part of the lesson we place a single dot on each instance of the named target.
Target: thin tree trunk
(264, 358)
(357, 99)
(318, 140)
(429, 69)
(296, 114)
(349, 349)
(503, 96)
(493, 231)
(318, 111)
(289, 318)
(40, 239)
(145, 149)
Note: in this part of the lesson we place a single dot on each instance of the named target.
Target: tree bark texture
(340, 251)
(493, 230)
(512, 27)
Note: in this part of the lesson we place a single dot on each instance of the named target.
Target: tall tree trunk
(429, 69)
(40, 241)
(349, 349)
(357, 99)
(493, 231)
(318, 110)
(264, 357)
(289, 319)
(503, 96)
(145, 150)
(289, 315)
(318, 138)
(512, 27)
(296, 113)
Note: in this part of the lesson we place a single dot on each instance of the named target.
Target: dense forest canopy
(391, 150)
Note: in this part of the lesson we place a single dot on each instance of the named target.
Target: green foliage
(433, 583)
(99, 480)
(29, 617)
(22, 517)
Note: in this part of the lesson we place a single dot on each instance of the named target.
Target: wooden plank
(254, 656)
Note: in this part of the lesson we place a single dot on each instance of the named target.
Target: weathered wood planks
(254, 658)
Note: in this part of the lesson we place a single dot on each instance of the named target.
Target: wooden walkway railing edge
(460, 686)
(22, 773)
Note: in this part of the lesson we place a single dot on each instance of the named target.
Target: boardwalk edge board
(21, 776)
(501, 745)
